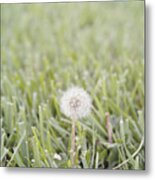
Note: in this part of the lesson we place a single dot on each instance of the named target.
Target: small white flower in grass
(33, 160)
(57, 156)
(76, 103)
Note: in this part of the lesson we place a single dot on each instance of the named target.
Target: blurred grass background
(46, 48)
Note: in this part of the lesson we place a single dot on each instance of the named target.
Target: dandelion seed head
(75, 103)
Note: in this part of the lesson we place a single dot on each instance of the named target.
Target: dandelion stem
(108, 126)
(73, 145)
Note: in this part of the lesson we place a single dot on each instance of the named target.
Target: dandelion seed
(121, 121)
(33, 160)
(57, 157)
(46, 151)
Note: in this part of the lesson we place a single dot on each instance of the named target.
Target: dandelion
(75, 103)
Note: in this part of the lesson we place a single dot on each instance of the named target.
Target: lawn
(48, 48)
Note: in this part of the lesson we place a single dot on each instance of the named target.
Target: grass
(47, 48)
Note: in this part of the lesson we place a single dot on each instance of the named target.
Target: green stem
(133, 155)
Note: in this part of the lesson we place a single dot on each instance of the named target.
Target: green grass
(47, 48)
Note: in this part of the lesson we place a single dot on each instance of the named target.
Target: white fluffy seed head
(75, 103)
